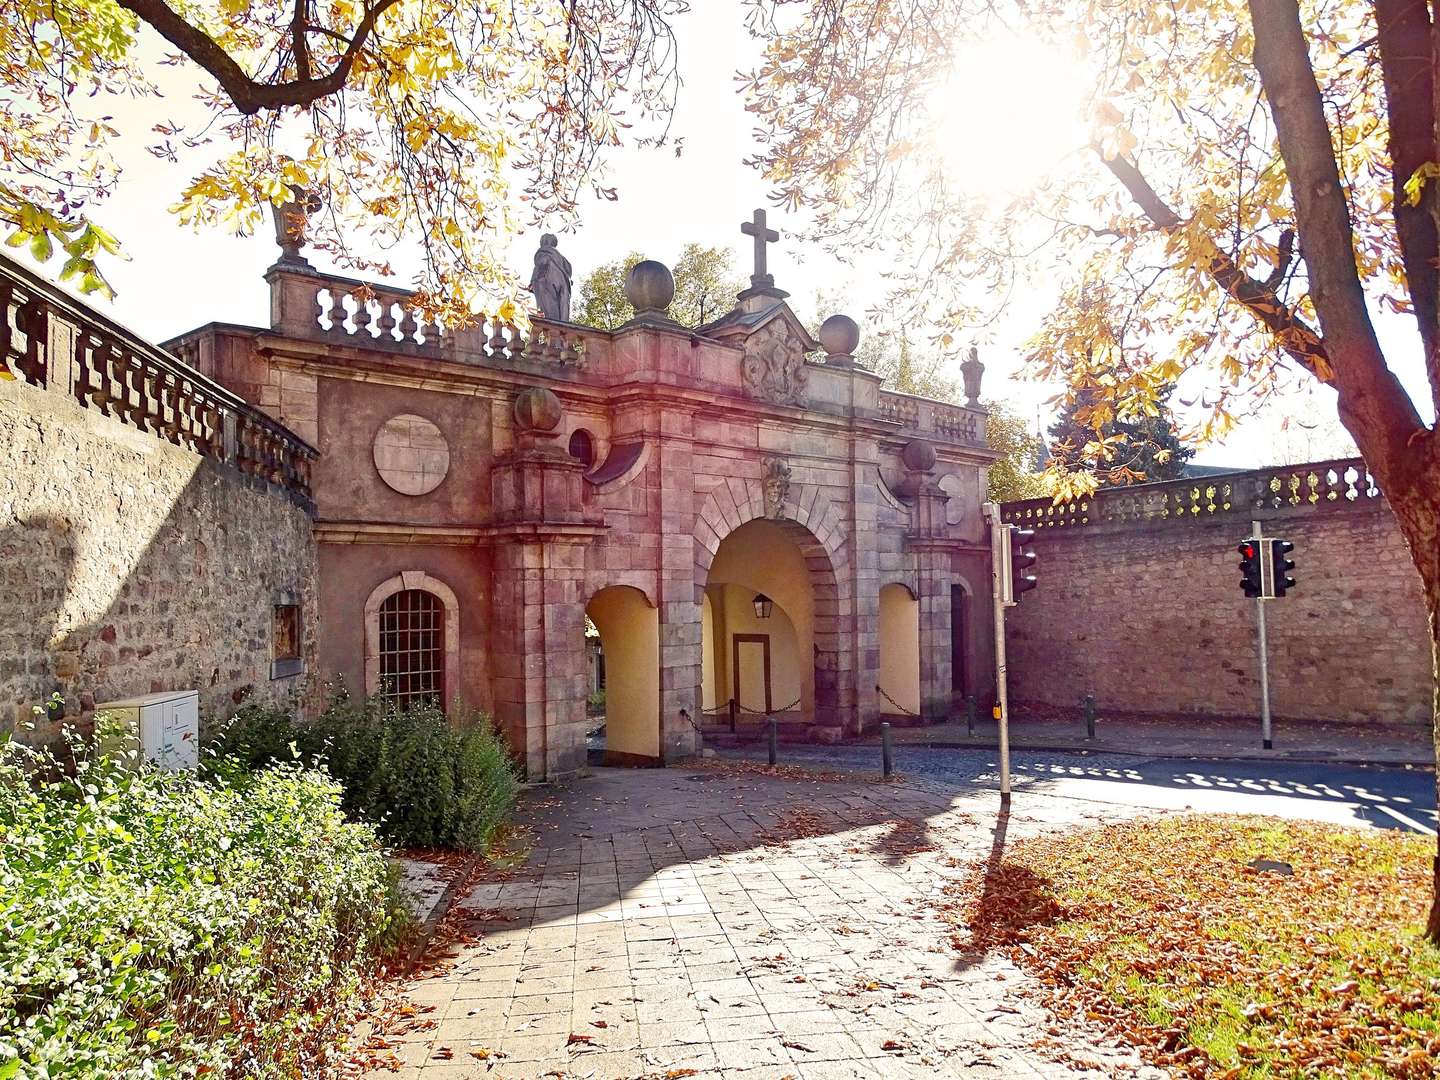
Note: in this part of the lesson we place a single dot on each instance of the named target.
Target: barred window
(412, 648)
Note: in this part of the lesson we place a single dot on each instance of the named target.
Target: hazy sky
(179, 279)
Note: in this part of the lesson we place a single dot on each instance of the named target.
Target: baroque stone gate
(727, 503)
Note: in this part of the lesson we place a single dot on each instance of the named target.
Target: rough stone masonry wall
(130, 565)
(1148, 616)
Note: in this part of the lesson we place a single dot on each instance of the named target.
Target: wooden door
(750, 668)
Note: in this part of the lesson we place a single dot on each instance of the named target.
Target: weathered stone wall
(129, 565)
(1145, 611)
(150, 523)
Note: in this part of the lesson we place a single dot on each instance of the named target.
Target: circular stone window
(411, 454)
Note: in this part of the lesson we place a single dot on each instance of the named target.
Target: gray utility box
(167, 725)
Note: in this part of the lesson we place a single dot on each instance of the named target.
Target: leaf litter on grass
(1160, 933)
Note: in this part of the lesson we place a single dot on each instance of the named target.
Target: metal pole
(774, 739)
(997, 537)
(887, 754)
(970, 715)
(733, 717)
(1264, 676)
(1089, 716)
(1264, 651)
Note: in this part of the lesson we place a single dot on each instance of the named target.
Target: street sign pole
(1265, 569)
(999, 549)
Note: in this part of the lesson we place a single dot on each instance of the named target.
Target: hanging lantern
(763, 604)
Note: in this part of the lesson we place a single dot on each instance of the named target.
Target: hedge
(172, 925)
(421, 779)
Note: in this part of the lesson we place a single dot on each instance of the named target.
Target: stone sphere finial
(649, 286)
(537, 410)
(919, 456)
(839, 337)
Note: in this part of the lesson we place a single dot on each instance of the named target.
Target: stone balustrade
(953, 423)
(54, 343)
(366, 315)
(1312, 486)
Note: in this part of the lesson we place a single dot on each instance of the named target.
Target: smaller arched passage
(629, 627)
(963, 681)
(899, 650)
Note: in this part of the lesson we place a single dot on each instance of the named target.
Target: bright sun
(1010, 111)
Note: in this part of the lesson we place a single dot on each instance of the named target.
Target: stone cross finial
(762, 236)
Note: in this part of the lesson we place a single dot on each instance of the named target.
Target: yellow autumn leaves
(455, 121)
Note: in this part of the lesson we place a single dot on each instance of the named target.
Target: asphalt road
(1379, 796)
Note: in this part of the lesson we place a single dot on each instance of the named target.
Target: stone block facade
(1140, 602)
(578, 461)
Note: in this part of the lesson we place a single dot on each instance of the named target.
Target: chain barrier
(768, 712)
(892, 701)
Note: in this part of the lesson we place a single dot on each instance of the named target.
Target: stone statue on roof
(550, 281)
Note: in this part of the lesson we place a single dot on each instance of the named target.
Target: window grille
(412, 649)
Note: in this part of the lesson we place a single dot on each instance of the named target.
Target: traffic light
(1014, 579)
(1281, 565)
(1251, 576)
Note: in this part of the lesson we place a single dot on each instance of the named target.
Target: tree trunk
(1432, 600)
(1414, 496)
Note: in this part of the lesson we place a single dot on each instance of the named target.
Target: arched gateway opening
(629, 629)
(769, 634)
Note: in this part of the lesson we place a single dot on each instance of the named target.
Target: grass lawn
(1159, 932)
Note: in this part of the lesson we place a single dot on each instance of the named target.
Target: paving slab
(740, 925)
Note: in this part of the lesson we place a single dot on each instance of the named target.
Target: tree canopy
(705, 288)
(437, 122)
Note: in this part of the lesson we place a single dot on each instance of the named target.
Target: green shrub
(422, 780)
(168, 925)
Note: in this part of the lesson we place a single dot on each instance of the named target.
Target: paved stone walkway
(738, 925)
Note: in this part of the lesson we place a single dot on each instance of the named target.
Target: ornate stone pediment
(773, 368)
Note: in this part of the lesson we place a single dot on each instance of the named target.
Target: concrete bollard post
(887, 752)
(774, 738)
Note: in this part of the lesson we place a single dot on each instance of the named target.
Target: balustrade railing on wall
(362, 313)
(56, 343)
(954, 422)
(1314, 485)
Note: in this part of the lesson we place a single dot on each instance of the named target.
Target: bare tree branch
(248, 95)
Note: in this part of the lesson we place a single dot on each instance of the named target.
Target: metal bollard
(887, 752)
(1089, 716)
(733, 717)
(774, 738)
(970, 715)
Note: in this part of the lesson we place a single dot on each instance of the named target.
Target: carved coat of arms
(774, 365)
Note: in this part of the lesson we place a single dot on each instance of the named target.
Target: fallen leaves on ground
(741, 767)
(1161, 934)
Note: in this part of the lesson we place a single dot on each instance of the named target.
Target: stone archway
(807, 669)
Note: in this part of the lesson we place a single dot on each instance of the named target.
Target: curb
(426, 933)
(1073, 748)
